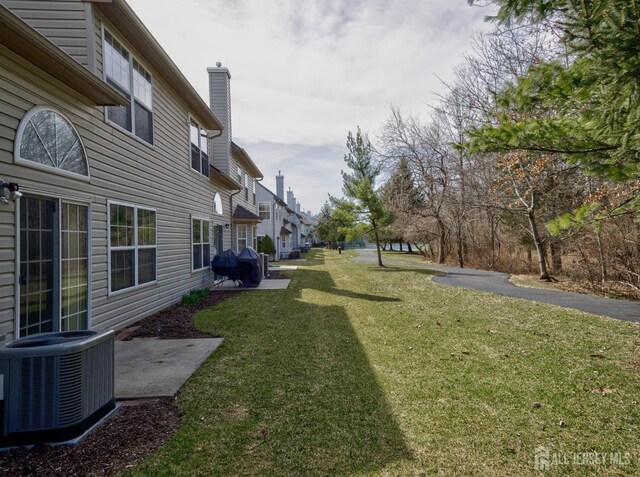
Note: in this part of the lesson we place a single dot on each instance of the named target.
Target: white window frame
(201, 243)
(135, 247)
(245, 238)
(130, 92)
(25, 162)
(268, 204)
(61, 202)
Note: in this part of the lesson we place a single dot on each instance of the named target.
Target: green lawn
(361, 371)
(397, 256)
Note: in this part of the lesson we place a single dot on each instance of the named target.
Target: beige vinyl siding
(122, 169)
(238, 199)
(62, 22)
(7, 269)
(97, 43)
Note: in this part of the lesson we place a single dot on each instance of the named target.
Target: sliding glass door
(54, 265)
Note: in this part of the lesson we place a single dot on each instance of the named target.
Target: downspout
(256, 204)
(212, 136)
(273, 221)
(231, 212)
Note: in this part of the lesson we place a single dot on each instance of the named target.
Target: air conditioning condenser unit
(55, 386)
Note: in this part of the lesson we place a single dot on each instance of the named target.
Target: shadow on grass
(421, 271)
(290, 392)
(359, 296)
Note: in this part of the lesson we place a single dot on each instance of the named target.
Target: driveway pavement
(498, 283)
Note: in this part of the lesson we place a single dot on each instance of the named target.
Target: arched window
(217, 204)
(47, 140)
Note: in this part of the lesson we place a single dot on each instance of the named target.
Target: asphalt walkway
(498, 283)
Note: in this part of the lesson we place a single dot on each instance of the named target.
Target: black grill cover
(249, 265)
(226, 264)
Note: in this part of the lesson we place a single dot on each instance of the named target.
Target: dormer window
(133, 81)
(199, 156)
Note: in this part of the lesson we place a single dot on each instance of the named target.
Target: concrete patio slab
(264, 285)
(150, 368)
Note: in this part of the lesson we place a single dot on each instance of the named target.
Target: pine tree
(590, 95)
(360, 185)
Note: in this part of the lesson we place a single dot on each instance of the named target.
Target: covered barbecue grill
(249, 265)
(225, 264)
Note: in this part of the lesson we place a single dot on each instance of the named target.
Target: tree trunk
(400, 246)
(375, 233)
(544, 273)
(459, 245)
(556, 256)
(409, 250)
(442, 238)
(493, 240)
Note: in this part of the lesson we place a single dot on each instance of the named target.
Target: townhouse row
(127, 181)
(290, 228)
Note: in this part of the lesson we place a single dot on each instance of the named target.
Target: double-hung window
(246, 187)
(201, 247)
(199, 155)
(242, 237)
(132, 246)
(129, 77)
(264, 210)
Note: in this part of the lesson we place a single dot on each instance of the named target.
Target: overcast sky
(305, 72)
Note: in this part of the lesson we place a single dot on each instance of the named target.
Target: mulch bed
(137, 430)
(174, 322)
(141, 426)
(276, 275)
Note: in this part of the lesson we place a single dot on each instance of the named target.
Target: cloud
(305, 72)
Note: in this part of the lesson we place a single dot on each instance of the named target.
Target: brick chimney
(220, 104)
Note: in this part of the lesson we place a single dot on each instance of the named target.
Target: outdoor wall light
(226, 226)
(14, 191)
